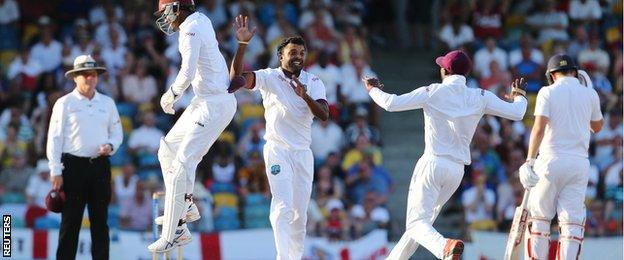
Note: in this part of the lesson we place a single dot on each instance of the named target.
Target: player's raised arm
(391, 102)
(514, 110)
(238, 78)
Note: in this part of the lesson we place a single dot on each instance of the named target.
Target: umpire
(84, 131)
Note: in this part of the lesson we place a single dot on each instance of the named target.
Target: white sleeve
(260, 79)
(542, 103)
(54, 147)
(408, 101)
(496, 106)
(189, 46)
(114, 128)
(596, 114)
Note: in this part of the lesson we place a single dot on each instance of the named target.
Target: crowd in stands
(506, 39)
(511, 39)
(42, 38)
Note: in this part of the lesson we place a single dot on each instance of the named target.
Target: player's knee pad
(165, 155)
(570, 240)
(538, 238)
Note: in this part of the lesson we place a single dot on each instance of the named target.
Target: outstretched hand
(243, 33)
(518, 88)
(371, 83)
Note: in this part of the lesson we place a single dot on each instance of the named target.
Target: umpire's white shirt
(202, 66)
(288, 118)
(452, 112)
(569, 107)
(79, 126)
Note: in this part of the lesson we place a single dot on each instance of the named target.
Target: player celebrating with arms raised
(291, 97)
(452, 112)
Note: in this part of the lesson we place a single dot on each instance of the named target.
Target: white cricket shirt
(202, 66)
(79, 126)
(569, 107)
(288, 117)
(452, 112)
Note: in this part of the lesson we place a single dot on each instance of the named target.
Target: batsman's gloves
(528, 177)
(167, 100)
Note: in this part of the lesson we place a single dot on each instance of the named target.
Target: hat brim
(99, 70)
(440, 62)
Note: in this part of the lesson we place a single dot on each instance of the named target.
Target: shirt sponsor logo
(190, 34)
(275, 169)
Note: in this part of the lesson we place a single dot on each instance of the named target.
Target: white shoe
(192, 214)
(182, 237)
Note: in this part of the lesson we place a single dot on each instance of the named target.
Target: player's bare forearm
(236, 68)
(537, 134)
(319, 107)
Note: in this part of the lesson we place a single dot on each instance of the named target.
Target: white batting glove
(167, 100)
(528, 178)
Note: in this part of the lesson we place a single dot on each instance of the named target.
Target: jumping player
(210, 111)
(452, 112)
(291, 97)
(566, 112)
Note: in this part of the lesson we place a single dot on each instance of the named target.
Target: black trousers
(86, 182)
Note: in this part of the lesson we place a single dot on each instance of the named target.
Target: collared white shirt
(145, 136)
(79, 126)
(569, 107)
(48, 56)
(326, 139)
(288, 117)
(452, 112)
(202, 66)
(139, 90)
(484, 57)
(465, 35)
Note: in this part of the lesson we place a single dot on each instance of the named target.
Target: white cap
(42, 166)
(334, 204)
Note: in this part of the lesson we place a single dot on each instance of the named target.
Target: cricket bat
(518, 227)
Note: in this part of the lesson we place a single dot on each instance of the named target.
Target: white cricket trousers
(197, 129)
(434, 181)
(560, 189)
(290, 174)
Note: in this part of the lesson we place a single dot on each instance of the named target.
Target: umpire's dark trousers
(86, 181)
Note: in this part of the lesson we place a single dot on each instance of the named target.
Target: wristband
(243, 43)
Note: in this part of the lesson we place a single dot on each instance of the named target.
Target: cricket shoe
(182, 237)
(453, 249)
(192, 214)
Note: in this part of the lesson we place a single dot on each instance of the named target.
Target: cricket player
(210, 111)
(291, 97)
(565, 113)
(452, 112)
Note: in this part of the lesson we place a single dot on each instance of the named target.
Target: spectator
(499, 78)
(113, 55)
(83, 47)
(352, 45)
(487, 18)
(584, 11)
(215, 11)
(485, 155)
(14, 117)
(484, 57)
(144, 141)
(135, 213)
(531, 71)
(327, 137)
(598, 58)
(362, 147)
(526, 45)
(478, 202)
(102, 32)
(139, 87)
(604, 139)
(27, 68)
(331, 77)
(579, 42)
(550, 23)
(36, 191)
(326, 187)
(369, 216)
(351, 87)
(456, 34)
(335, 224)
(125, 184)
(363, 179)
(268, 12)
(319, 35)
(11, 147)
(9, 18)
(48, 50)
(14, 178)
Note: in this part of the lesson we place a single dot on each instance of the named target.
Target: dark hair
(189, 8)
(294, 40)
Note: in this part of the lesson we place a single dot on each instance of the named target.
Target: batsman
(566, 112)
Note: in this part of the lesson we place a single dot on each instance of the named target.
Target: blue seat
(226, 219)
(46, 223)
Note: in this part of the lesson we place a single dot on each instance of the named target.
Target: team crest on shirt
(275, 169)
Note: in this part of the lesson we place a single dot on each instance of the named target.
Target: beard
(295, 65)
